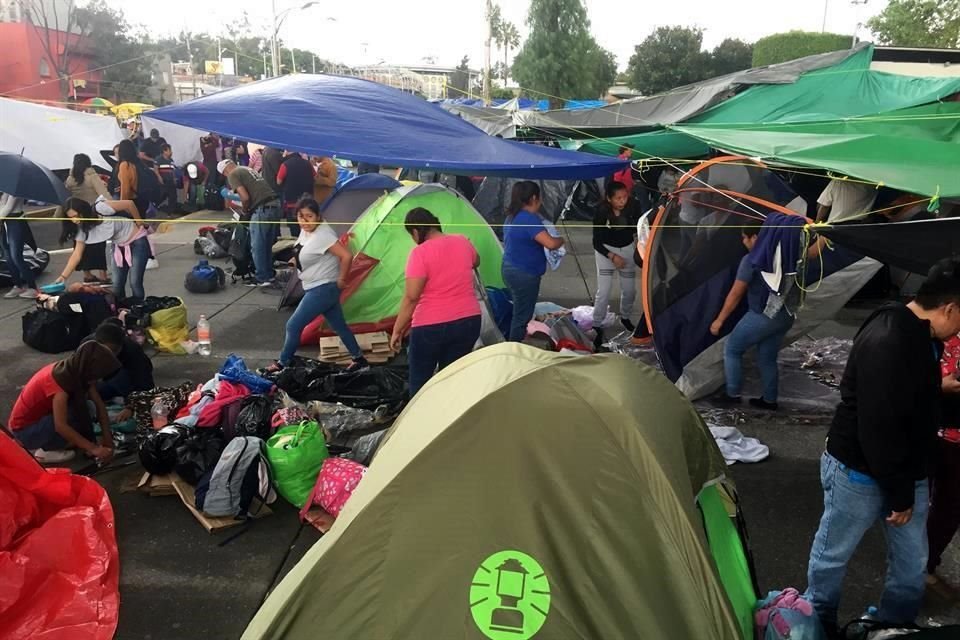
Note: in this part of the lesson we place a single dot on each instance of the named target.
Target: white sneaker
(13, 293)
(28, 294)
(54, 457)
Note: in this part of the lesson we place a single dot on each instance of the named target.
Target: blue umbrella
(24, 178)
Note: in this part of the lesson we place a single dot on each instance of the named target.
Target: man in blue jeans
(758, 327)
(880, 448)
(260, 202)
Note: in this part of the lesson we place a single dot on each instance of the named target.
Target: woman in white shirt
(106, 220)
(323, 264)
(84, 183)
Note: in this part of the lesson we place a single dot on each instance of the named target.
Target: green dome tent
(380, 245)
(528, 494)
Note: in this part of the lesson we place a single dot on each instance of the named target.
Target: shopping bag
(168, 328)
(296, 454)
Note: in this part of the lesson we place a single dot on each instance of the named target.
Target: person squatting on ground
(324, 266)
(262, 206)
(105, 220)
(14, 231)
(882, 445)
(84, 183)
(944, 519)
(52, 411)
(614, 245)
(439, 300)
(136, 368)
(524, 260)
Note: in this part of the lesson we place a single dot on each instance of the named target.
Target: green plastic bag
(295, 454)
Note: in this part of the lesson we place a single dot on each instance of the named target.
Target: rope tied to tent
(809, 233)
(934, 205)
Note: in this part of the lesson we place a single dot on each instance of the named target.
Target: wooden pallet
(375, 346)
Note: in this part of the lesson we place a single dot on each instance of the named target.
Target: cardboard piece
(172, 484)
(375, 346)
(320, 519)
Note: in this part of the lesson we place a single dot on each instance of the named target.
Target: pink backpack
(335, 484)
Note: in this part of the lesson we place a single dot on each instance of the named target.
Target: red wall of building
(23, 49)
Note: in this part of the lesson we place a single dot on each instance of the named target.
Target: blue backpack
(204, 278)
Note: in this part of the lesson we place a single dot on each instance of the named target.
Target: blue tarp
(364, 121)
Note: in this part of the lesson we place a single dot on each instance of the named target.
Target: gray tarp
(640, 114)
(493, 121)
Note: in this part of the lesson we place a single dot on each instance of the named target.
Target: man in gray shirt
(260, 203)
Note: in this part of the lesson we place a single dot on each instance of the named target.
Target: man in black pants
(136, 369)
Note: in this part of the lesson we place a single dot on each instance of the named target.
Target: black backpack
(241, 253)
(204, 278)
(53, 332)
(149, 189)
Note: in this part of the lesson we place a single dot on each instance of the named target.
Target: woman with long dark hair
(129, 163)
(324, 265)
(524, 260)
(439, 301)
(103, 221)
(84, 183)
(614, 244)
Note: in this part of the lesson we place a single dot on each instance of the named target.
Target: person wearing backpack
(137, 182)
(105, 220)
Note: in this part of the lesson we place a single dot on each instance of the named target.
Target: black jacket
(619, 231)
(886, 423)
(299, 178)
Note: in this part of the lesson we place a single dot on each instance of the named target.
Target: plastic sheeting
(364, 121)
(51, 136)
(571, 199)
(914, 245)
(59, 564)
(183, 141)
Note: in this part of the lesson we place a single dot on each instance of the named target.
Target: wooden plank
(211, 524)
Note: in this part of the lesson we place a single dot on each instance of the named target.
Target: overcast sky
(408, 31)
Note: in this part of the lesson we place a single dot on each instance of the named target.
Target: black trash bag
(368, 389)
(256, 411)
(198, 453)
(363, 448)
(158, 451)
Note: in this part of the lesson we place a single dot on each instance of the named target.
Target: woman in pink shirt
(439, 309)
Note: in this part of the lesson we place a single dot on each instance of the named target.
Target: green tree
(729, 56)
(669, 57)
(127, 76)
(918, 23)
(507, 37)
(460, 79)
(560, 58)
(781, 47)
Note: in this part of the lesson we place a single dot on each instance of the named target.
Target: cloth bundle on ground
(59, 562)
(205, 405)
(296, 453)
(366, 389)
(213, 242)
(204, 278)
(168, 326)
(287, 416)
(141, 402)
(234, 369)
(786, 615)
(158, 450)
(736, 447)
(240, 475)
(335, 484)
(567, 334)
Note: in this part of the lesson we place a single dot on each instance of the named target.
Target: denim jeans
(323, 300)
(524, 289)
(434, 346)
(42, 434)
(262, 237)
(139, 253)
(756, 329)
(852, 503)
(14, 232)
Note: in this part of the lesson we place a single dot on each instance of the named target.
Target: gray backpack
(241, 474)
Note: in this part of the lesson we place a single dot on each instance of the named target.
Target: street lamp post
(277, 23)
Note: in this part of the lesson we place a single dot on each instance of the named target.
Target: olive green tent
(528, 494)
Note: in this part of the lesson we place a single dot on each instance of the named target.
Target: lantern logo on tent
(510, 596)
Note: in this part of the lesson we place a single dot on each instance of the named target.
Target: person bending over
(324, 266)
(52, 412)
(136, 369)
(439, 300)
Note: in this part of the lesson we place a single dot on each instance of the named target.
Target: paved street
(177, 583)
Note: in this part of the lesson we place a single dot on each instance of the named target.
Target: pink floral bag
(335, 484)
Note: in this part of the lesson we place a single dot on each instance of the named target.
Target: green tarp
(915, 150)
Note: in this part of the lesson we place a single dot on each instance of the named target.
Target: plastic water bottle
(159, 413)
(203, 336)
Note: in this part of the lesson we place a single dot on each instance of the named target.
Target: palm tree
(507, 37)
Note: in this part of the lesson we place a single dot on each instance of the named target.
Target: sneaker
(760, 403)
(358, 364)
(29, 294)
(722, 398)
(270, 285)
(53, 457)
(629, 326)
(13, 293)
(598, 340)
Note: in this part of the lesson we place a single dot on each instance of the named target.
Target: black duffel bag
(52, 331)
